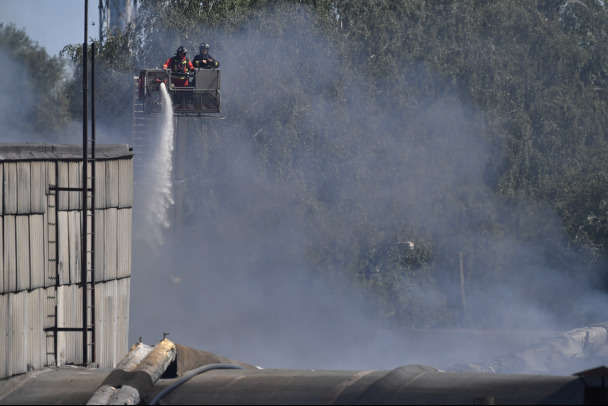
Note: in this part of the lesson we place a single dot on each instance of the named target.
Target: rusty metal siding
(39, 184)
(10, 188)
(123, 235)
(23, 252)
(10, 253)
(37, 251)
(111, 243)
(125, 183)
(112, 174)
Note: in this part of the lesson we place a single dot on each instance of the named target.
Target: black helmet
(180, 50)
(204, 45)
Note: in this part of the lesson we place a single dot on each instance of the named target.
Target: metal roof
(35, 152)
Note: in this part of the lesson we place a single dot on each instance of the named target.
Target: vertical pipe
(93, 179)
(56, 308)
(83, 255)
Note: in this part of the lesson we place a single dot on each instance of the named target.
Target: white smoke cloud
(246, 290)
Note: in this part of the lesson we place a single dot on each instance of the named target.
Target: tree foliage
(476, 129)
(34, 101)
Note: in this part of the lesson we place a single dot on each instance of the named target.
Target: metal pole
(83, 254)
(93, 350)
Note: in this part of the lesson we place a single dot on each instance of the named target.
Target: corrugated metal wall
(40, 263)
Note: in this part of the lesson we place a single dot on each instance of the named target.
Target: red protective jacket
(179, 65)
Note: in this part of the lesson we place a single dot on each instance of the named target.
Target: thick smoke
(234, 278)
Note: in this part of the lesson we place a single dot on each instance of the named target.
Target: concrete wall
(40, 255)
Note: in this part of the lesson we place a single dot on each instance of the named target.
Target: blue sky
(52, 23)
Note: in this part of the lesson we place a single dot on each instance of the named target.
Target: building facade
(41, 258)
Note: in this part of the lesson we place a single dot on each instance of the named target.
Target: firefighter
(179, 64)
(203, 60)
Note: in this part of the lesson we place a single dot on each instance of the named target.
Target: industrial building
(41, 256)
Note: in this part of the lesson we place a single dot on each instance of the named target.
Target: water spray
(160, 172)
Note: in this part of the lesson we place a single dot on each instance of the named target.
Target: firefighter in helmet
(203, 60)
(179, 65)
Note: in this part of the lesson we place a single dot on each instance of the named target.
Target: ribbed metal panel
(63, 251)
(48, 307)
(5, 346)
(75, 245)
(62, 181)
(122, 324)
(49, 311)
(37, 250)
(109, 332)
(100, 242)
(101, 326)
(69, 314)
(75, 175)
(10, 188)
(10, 314)
(63, 320)
(2, 192)
(39, 184)
(125, 183)
(74, 339)
(2, 276)
(23, 252)
(10, 254)
(19, 327)
(112, 173)
(35, 333)
(46, 250)
(100, 185)
(23, 187)
(111, 243)
(123, 236)
(112, 318)
(50, 174)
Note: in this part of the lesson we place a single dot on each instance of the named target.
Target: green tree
(356, 126)
(34, 83)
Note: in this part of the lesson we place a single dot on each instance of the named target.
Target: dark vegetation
(476, 129)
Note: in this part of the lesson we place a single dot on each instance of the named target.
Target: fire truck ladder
(142, 127)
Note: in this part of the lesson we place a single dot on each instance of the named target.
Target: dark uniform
(203, 60)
